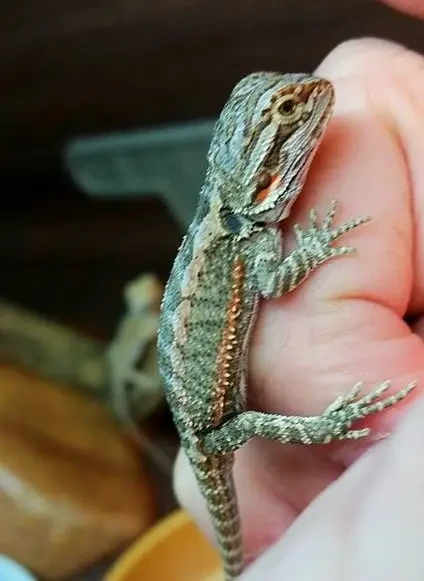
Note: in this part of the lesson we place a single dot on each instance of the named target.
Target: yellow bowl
(173, 550)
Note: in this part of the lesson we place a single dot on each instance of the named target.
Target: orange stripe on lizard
(262, 195)
(229, 342)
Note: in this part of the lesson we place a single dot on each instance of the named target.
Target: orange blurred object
(174, 550)
(72, 487)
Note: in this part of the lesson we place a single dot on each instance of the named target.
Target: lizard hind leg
(333, 424)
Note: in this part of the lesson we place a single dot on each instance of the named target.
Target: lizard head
(265, 140)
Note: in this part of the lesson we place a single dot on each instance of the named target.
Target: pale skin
(346, 323)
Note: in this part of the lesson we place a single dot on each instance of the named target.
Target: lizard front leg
(276, 276)
(333, 424)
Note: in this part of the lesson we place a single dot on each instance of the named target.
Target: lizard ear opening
(230, 221)
(264, 180)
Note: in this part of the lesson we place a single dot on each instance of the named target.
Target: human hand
(343, 325)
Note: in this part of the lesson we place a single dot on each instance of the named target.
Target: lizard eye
(289, 108)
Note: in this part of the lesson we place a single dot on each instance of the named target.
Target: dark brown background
(82, 66)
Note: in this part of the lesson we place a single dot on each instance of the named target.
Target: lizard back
(206, 314)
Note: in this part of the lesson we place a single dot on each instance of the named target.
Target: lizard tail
(217, 484)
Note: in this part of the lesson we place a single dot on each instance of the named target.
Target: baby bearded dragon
(262, 147)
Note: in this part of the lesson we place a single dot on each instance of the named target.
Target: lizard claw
(313, 219)
(316, 240)
(347, 409)
(342, 400)
(342, 250)
(330, 215)
(348, 226)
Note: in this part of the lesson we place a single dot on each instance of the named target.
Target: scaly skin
(262, 147)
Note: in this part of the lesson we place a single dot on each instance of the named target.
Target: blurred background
(105, 117)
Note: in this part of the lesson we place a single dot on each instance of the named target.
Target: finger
(394, 97)
(415, 7)
(347, 318)
(369, 525)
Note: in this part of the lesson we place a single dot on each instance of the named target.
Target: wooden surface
(72, 486)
